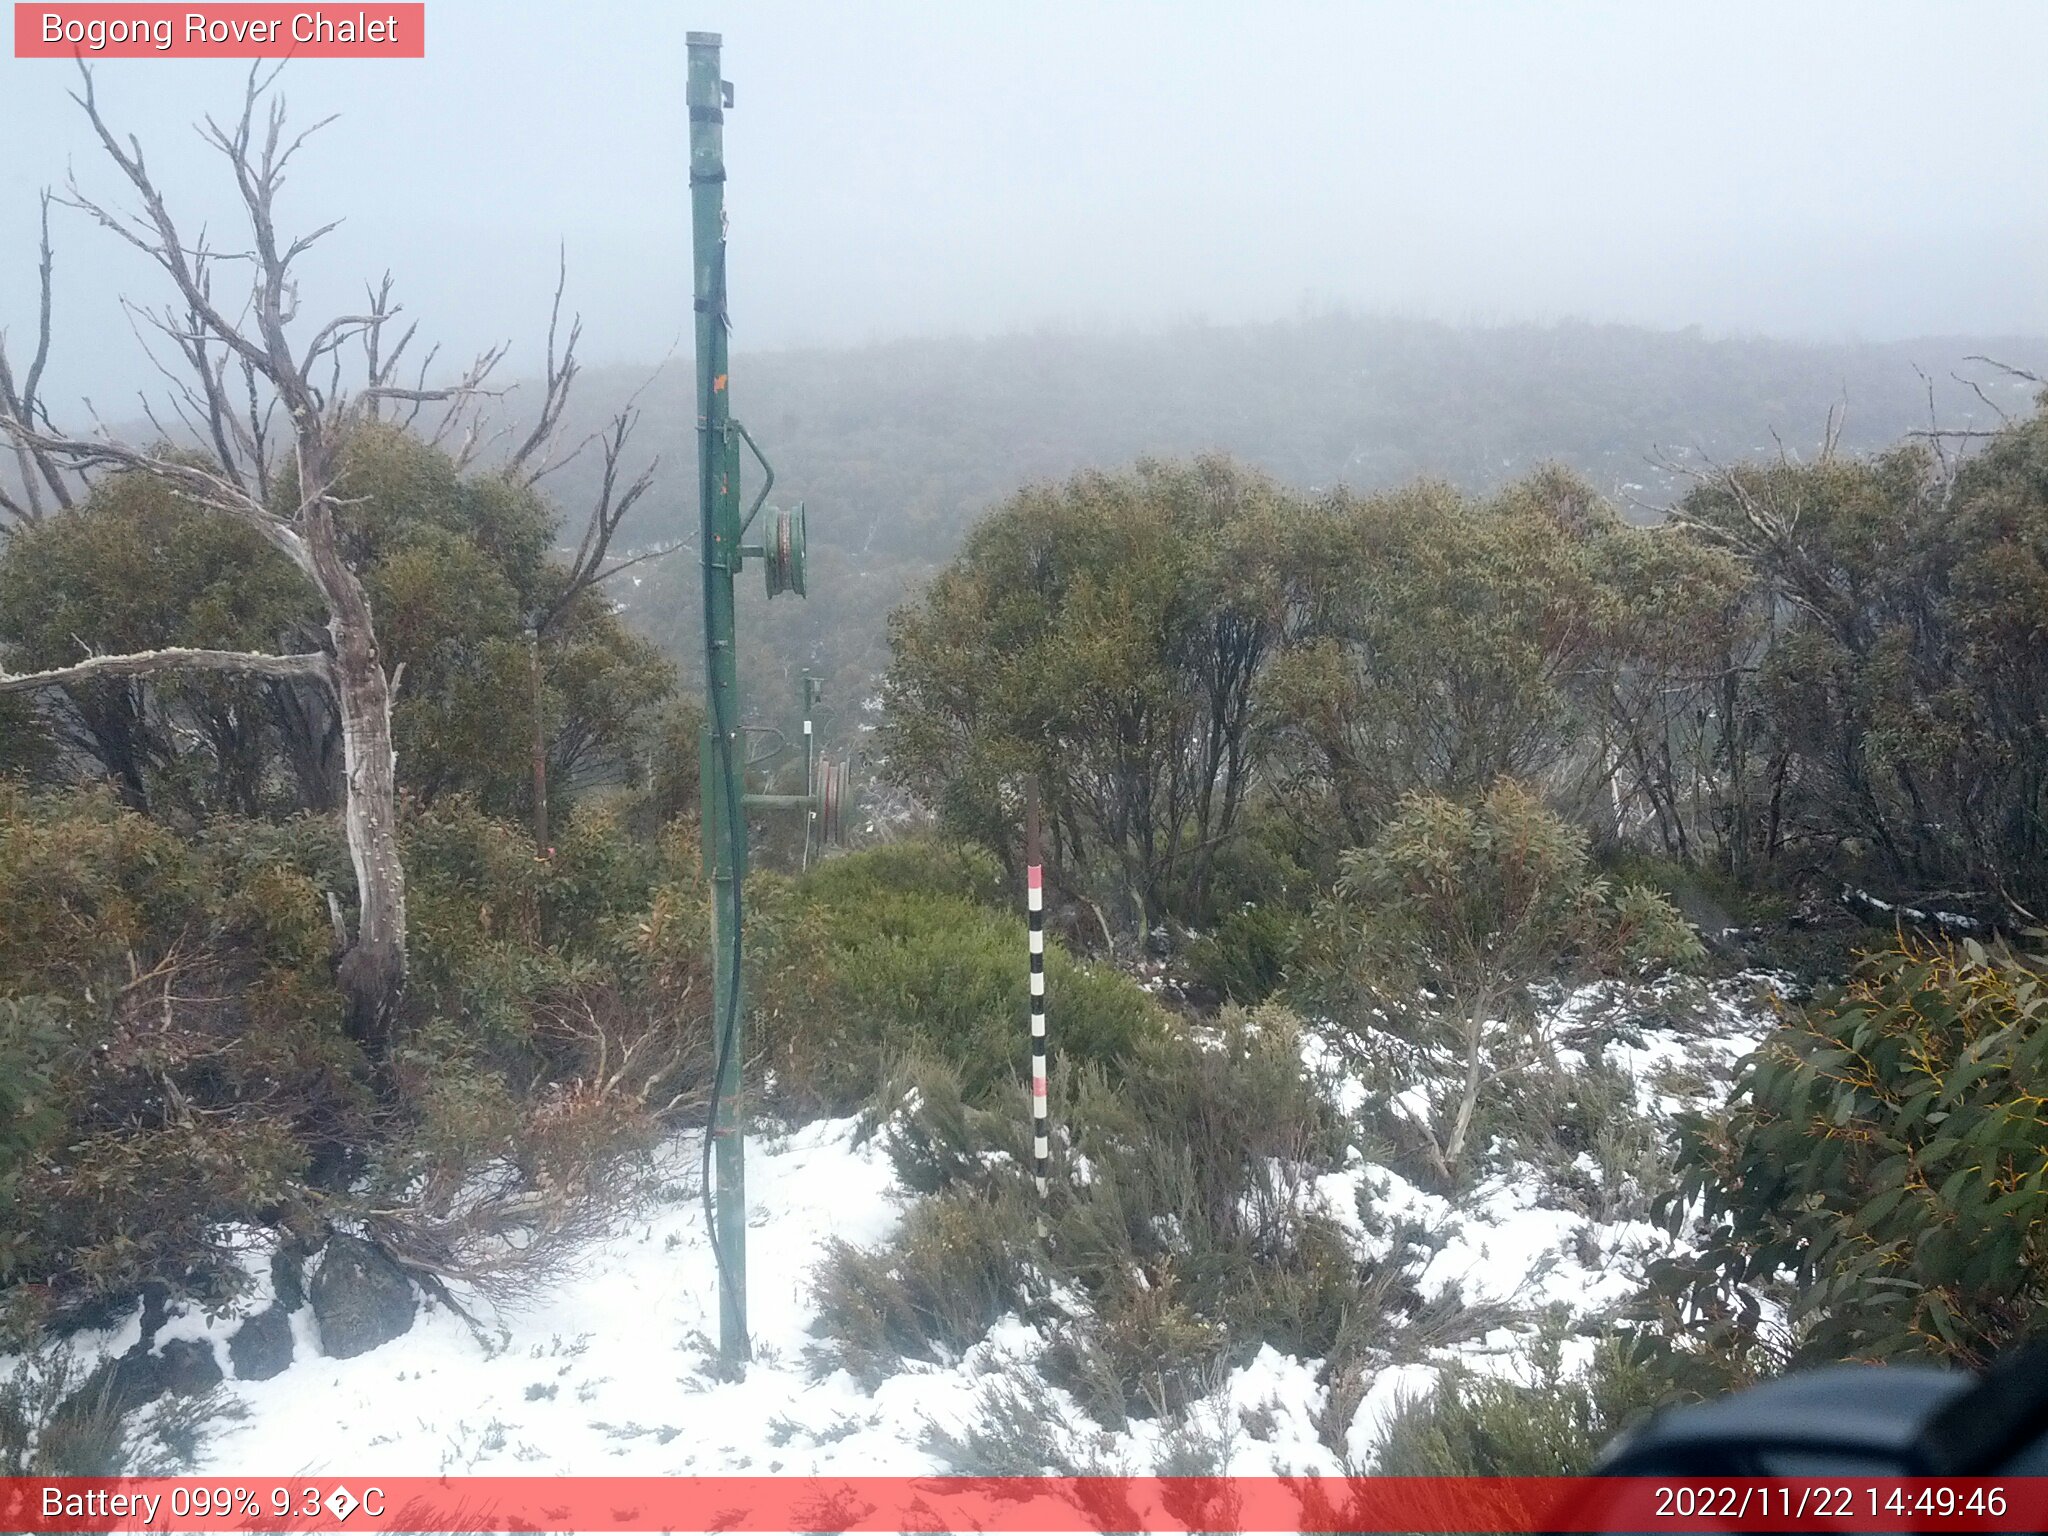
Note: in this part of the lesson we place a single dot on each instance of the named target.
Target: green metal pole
(724, 814)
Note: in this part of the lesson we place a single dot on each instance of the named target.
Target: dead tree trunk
(372, 972)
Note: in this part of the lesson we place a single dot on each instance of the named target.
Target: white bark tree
(260, 394)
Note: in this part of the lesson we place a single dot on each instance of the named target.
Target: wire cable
(736, 849)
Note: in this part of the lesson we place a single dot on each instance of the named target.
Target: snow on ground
(612, 1374)
(615, 1372)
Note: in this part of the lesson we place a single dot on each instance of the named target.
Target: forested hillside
(898, 447)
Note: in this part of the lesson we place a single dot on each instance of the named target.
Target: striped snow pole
(1034, 898)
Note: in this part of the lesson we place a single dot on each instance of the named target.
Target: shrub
(172, 1029)
(1018, 1429)
(1443, 940)
(1552, 1425)
(912, 867)
(1143, 1352)
(1184, 1209)
(863, 966)
(174, 1064)
(938, 1141)
(1245, 956)
(1269, 864)
(1200, 1230)
(956, 1266)
(560, 1014)
(1881, 1167)
(55, 1424)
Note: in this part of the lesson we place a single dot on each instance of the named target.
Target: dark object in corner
(1876, 1420)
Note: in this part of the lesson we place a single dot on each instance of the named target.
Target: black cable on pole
(736, 833)
(736, 849)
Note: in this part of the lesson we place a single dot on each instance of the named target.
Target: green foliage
(455, 569)
(530, 971)
(137, 567)
(1104, 634)
(937, 1140)
(1886, 723)
(1441, 648)
(1880, 1169)
(174, 1034)
(912, 867)
(1195, 1229)
(1552, 1425)
(1444, 938)
(1246, 955)
(1273, 863)
(173, 1053)
(902, 445)
(1184, 1209)
(1157, 645)
(956, 1266)
(673, 780)
(870, 959)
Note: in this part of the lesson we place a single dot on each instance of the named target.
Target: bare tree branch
(588, 567)
(312, 666)
(25, 402)
(210, 487)
(560, 377)
(222, 460)
(2006, 368)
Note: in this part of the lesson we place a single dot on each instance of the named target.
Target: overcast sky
(1829, 170)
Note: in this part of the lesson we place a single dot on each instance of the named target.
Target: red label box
(240, 31)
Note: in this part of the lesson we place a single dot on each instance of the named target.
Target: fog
(1825, 171)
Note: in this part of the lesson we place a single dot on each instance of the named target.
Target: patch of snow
(617, 1371)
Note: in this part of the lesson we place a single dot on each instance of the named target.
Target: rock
(116, 1387)
(361, 1298)
(262, 1346)
(187, 1367)
(287, 1278)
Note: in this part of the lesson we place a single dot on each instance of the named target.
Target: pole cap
(704, 39)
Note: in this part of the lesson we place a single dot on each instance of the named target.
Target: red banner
(114, 31)
(891, 1504)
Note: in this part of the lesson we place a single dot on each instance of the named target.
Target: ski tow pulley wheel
(785, 562)
(832, 803)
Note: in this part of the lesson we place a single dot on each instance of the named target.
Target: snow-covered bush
(59, 1421)
(1185, 1227)
(1548, 1422)
(958, 1264)
(1445, 938)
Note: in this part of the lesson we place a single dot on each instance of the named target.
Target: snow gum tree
(1438, 945)
(256, 432)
